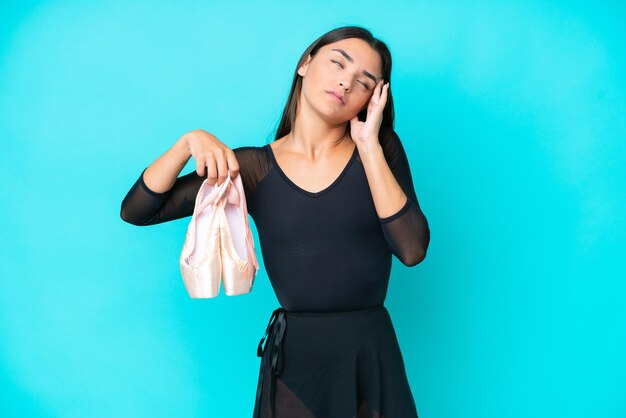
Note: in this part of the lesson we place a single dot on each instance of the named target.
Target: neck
(314, 136)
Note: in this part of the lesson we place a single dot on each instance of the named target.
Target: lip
(332, 93)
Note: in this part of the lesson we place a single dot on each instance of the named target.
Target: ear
(303, 67)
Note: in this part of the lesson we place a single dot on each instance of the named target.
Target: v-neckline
(300, 189)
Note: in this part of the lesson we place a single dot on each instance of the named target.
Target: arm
(159, 198)
(158, 195)
(388, 173)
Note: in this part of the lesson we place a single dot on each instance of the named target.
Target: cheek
(366, 101)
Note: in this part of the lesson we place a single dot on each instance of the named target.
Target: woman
(332, 198)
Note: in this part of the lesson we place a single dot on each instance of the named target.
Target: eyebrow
(349, 58)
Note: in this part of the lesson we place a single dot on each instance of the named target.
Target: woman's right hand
(212, 154)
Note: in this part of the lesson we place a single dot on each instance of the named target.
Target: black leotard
(324, 251)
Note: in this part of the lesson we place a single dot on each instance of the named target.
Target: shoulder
(253, 165)
(247, 151)
(251, 156)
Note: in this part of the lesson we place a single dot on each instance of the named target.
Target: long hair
(289, 113)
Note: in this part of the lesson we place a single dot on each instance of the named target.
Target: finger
(233, 164)
(222, 167)
(385, 92)
(373, 102)
(211, 169)
(371, 105)
(378, 92)
(200, 163)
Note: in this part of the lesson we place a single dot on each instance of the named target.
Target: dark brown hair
(289, 113)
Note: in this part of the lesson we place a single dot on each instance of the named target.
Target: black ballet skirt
(330, 350)
(325, 364)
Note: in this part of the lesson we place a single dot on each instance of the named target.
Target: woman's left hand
(365, 132)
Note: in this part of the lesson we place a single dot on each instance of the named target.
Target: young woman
(333, 199)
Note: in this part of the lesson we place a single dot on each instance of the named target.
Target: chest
(313, 177)
(341, 215)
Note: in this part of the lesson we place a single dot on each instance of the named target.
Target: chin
(331, 114)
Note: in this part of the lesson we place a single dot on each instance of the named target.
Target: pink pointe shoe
(239, 261)
(219, 243)
(200, 262)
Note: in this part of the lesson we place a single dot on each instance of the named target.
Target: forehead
(361, 53)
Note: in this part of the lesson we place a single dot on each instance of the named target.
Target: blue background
(513, 117)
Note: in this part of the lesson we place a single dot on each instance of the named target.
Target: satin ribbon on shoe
(276, 331)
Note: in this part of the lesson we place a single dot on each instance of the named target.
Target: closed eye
(364, 84)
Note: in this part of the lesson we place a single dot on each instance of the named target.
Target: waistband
(275, 332)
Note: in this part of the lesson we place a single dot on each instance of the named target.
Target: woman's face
(350, 68)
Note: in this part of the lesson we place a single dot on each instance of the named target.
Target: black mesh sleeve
(143, 206)
(407, 231)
